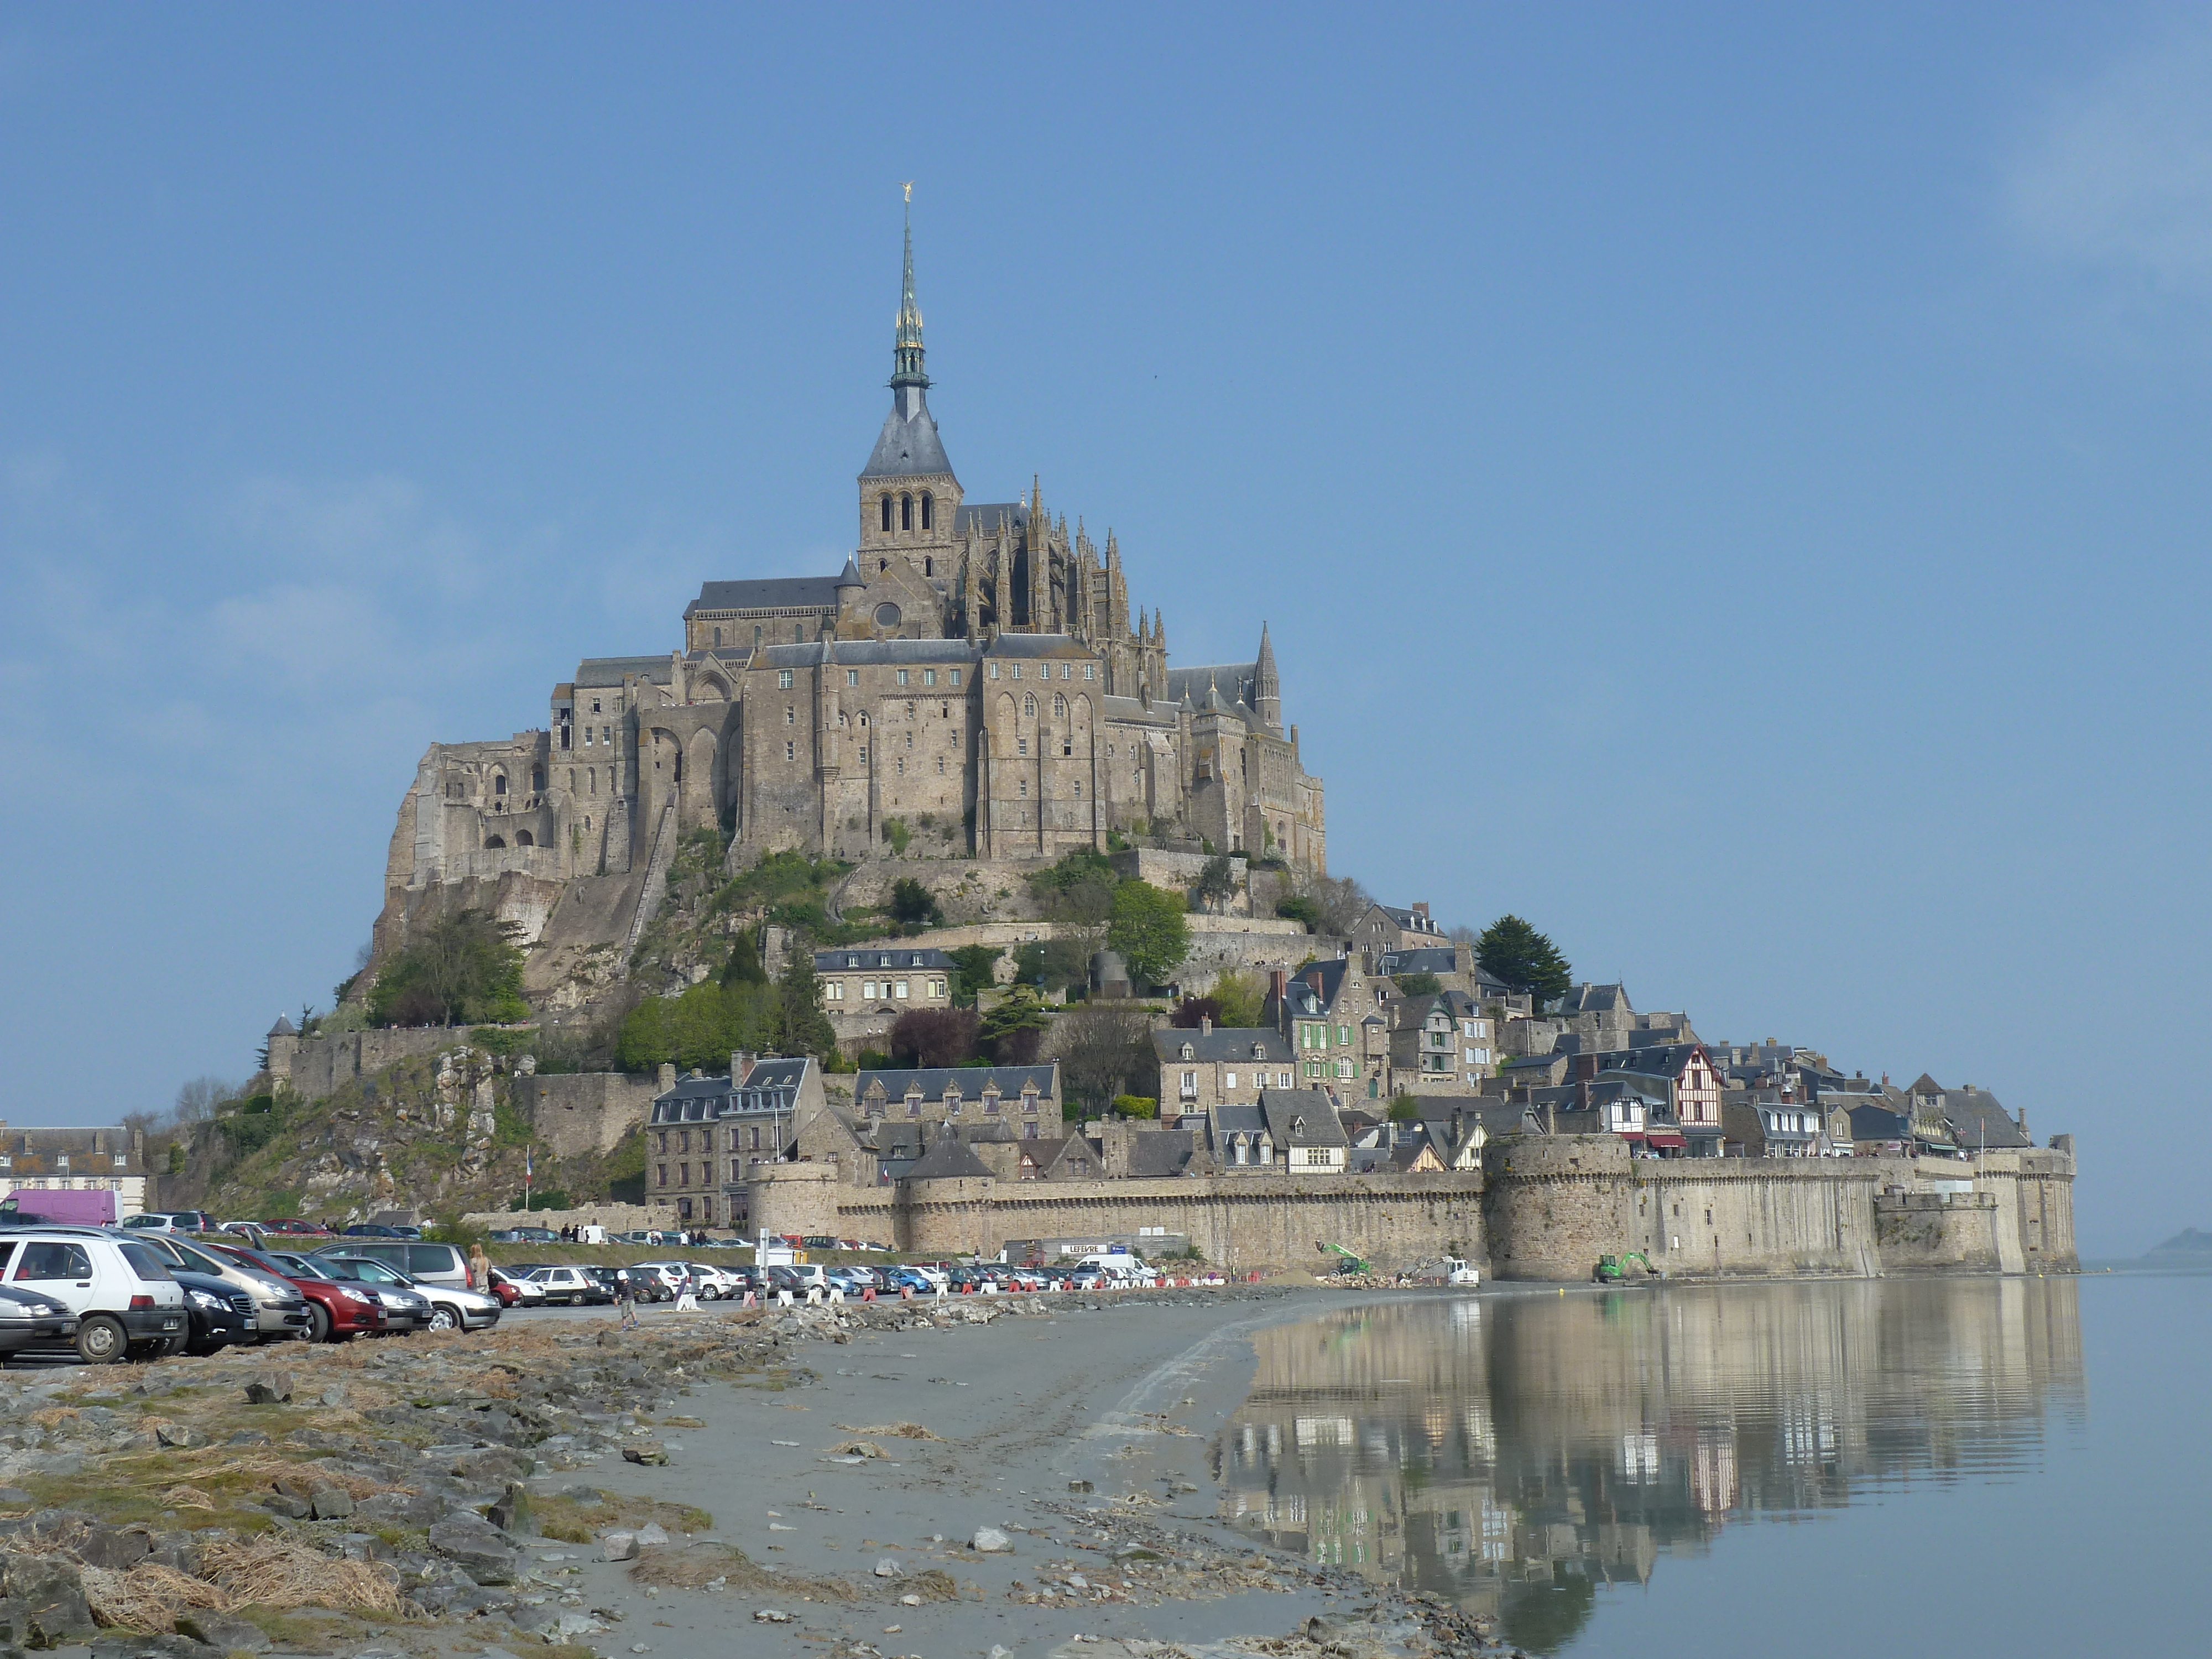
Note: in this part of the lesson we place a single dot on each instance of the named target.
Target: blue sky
(1726, 483)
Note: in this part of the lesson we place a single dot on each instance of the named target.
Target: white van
(119, 1290)
(1117, 1264)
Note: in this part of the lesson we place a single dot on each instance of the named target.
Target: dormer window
(1190, 1051)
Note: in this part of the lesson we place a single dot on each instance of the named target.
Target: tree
(971, 966)
(197, 1099)
(1103, 1048)
(1011, 1031)
(1241, 998)
(1418, 985)
(1149, 929)
(463, 969)
(1405, 1109)
(1216, 882)
(744, 966)
(1062, 964)
(1302, 907)
(935, 1037)
(807, 1029)
(1511, 950)
(913, 905)
(1192, 1010)
(1342, 901)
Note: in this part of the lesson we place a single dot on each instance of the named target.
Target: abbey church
(973, 666)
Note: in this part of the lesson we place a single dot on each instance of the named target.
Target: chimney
(1551, 1119)
(2020, 1117)
(1206, 1024)
(667, 1075)
(1421, 909)
(1279, 983)
(741, 1067)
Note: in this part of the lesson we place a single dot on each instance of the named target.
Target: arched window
(1059, 706)
(928, 505)
(524, 838)
(1029, 708)
(928, 566)
(536, 779)
(887, 512)
(718, 636)
(499, 783)
(494, 842)
(906, 513)
(757, 636)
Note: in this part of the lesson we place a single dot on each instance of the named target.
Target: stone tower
(1266, 688)
(909, 500)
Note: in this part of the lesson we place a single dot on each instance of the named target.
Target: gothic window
(1059, 706)
(798, 634)
(887, 512)
(536, 779)
(1029, 713)
(757, 636)
(928, 510)
(499, 783)
(592, 778)
(718, 636)
(906, 513)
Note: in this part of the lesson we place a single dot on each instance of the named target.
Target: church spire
(906, 352)
(1267, 685)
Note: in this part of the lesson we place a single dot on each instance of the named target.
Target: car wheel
(101, 1340)
(575, 1301)
(444, 1318)
(320, 1323)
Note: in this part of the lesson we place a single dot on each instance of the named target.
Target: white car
(714, 1283)
(669, 1277)
(119, 1290)
(158, 1221)
(528, 1293)
(570, 1284)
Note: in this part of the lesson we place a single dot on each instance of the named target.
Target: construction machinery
(1614, 1269)
(1348, 1262)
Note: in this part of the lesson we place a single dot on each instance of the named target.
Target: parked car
(612, 1280)
(338, 1311)
(217, 1313)
(292, 1226)
(453, 1307)
(536, 1234)
(431, 1264)
(516, 1292)
(406, 1308)
(715, 1284)
(160, 1221)
(280, 1312)
(368, 1230)
(570, 1284)
(29, 1319)
(666, 1279)
(118, 1289)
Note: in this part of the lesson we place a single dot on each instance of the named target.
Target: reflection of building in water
(1498, 1450)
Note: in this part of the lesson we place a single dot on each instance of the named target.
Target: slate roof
(1979, 1120)
(1154, 1153)
(933, 1080)
(907, 445)
(948, 1159)
(1234, 681)
(600, 673)
(283, 1027)
(1428, 959)
(1879, 1123)
(1302, 1117)
(772, 1086)
(1224, 1045)
(768, 593)
(881, 956)
(1595, 1000)
(984, 517)
(1037, 645)
(1657, 1060)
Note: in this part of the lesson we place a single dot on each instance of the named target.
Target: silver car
(280, 1312)
(444, 1307)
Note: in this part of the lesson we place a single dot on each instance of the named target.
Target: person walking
(479, 1268)
(629, 1293)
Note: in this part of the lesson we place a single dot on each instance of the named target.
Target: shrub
(1191, 1010)
(896, 833)
(935, 1037)
(1300, 909)
(463, 967)
(913, 904)
(1405, 1109)
(1135, 1106)
(874, 1060)
(1418, 985)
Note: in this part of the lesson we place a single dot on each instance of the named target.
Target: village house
(1689, 1122)
(1438, 1044)
(75, 1160)
(1215, 1064)
(1334, 1016)
(701, 1133)
(864, 991)
(1385, 927)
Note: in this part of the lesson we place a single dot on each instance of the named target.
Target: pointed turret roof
(852, 576)
(909, 444)
(949, 1159)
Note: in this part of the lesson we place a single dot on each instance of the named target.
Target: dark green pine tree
(1512, 950)
(744, 966)
(807, 1029)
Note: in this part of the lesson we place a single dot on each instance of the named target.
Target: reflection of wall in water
(1476, 1447)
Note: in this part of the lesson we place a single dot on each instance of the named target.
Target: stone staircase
(656, 882)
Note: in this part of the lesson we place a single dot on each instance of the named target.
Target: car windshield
(296, 1267)
(368, 1272)
(198, 1260)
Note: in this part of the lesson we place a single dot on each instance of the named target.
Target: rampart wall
(1545, 1208)
(316, 1067)
(584, 1114)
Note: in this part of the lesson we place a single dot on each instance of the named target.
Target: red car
(293, 1224)
(340, 1311)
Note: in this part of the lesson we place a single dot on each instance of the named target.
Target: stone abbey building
(974, 664)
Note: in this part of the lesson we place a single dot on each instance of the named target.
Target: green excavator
(1349, 1263)
(1614, 1269)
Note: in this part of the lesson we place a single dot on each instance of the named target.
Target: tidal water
(2015, 1467)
